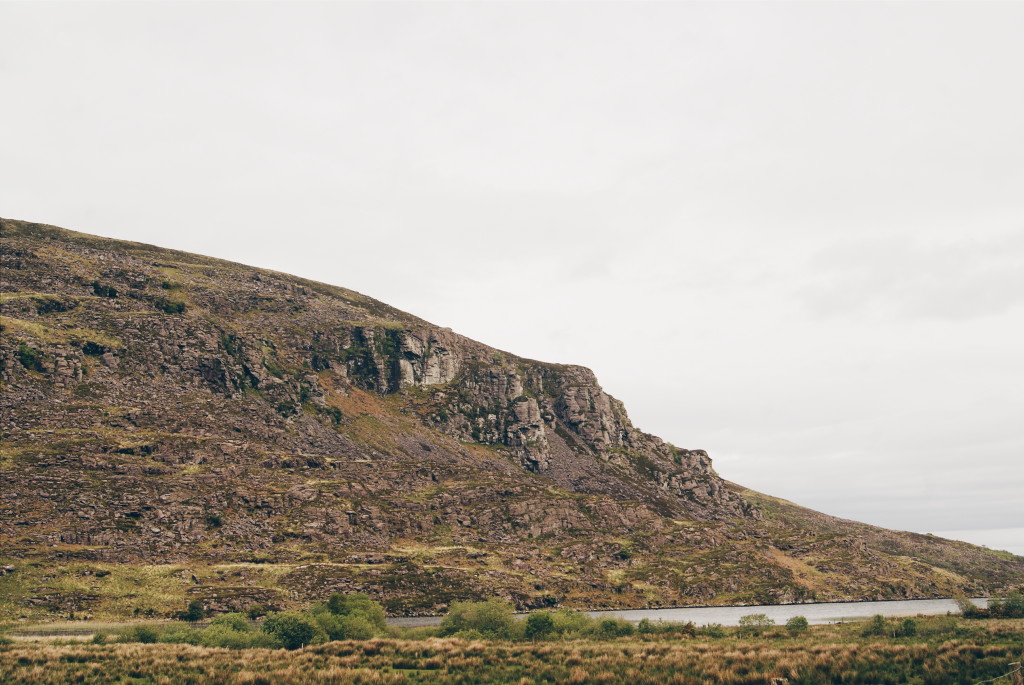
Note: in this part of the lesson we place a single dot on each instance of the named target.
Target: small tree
(256, 610)
(968, 609)
(1010, 606)
(539, 626)
(755, 624)
(614, 627)
(907, 628)
(293, 628)
(193, 612)
(875, 627)
(796, 624)
(358, 604)
(357, 627)
(493, 619)
(712, 630)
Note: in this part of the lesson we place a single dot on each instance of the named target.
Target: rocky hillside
(177, 427)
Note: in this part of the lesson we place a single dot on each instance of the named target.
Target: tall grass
(824, 654)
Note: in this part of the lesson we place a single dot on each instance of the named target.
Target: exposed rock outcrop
(167, 408)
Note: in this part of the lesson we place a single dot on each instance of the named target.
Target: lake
(829, 612)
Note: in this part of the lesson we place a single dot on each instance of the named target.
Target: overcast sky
(790, 234)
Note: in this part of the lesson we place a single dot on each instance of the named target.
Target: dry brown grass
(825, 656)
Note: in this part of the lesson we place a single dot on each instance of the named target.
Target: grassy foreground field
(946, 651)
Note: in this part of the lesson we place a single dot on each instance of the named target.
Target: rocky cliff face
(166, 408)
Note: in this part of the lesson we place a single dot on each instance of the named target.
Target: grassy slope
(794, 555)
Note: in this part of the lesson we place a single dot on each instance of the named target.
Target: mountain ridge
(263, 438)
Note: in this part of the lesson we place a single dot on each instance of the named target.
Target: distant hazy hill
(176, 426)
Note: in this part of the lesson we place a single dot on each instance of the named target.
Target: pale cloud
(905, 277)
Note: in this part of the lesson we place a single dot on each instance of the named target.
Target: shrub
(144, 634)
(357, 627)
(875, 627)
(493, 618)
(568, 622)
(169, 306)
(99, 639)
(797, 624)
(358, 604)
(649, 627)
(30, 358)
(93, 349)
(1010, 606)
(614, 627)
(256, 610)
(755, 624)
(294, 629)
(470, 635)
(193, 612)
(969, 609)
(104, 290)
(351, 627)
(712, 630)
(539, 626)
(235, 621)
(184, 635)
(907, 628)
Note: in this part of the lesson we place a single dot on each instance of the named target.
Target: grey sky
(790, 234)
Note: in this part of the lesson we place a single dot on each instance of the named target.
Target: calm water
(780, 613)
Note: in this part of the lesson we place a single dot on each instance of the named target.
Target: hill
(179, 427)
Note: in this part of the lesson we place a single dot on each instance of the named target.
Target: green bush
(754, 624)
(660, 627)
(358, 604)
(169, 306)
(470, 634)
(494, 619)
(569, 622)
(907, 628)
(875, 627)
(294, 629)
(613, 627)
(225, 636)
(182, 635)
(193, 612)
(797, 624)
(539, 626)
(235, 621)
(144, 634)
(1010, 606)
(969, 609)
(256, 610)
(357, 627)
(712, 630)
(352, 627)
(30, 358)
